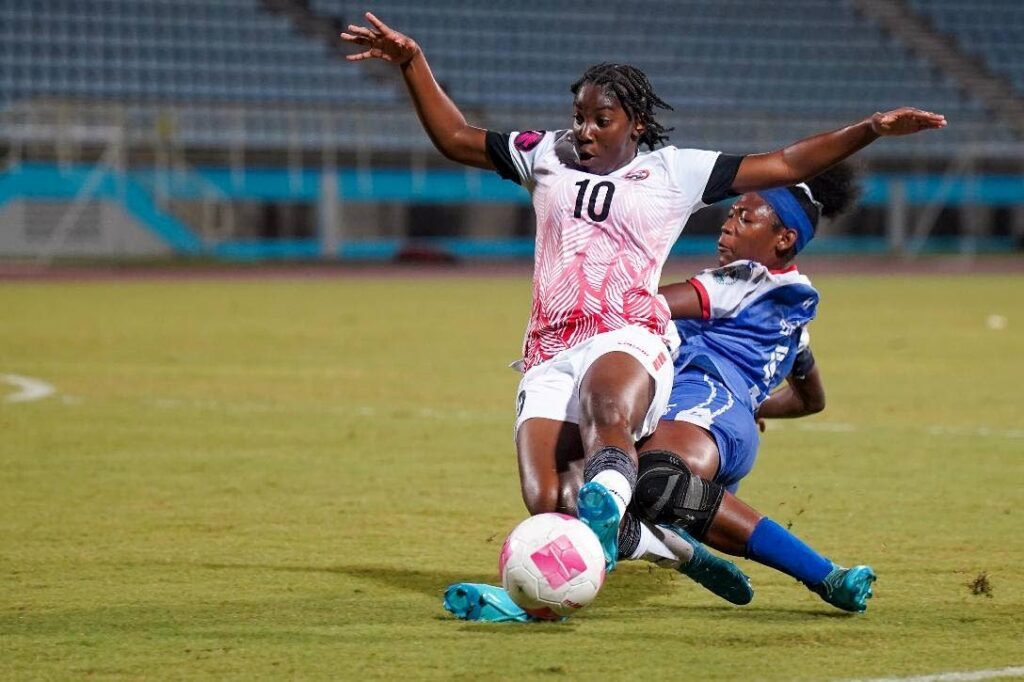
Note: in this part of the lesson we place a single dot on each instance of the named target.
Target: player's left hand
(761, 426)
(905, 121)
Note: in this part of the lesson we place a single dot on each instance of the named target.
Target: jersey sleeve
(704, 177)
(514, 154)
(724, 291)
(804, 362)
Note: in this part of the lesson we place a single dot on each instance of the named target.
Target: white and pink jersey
(602, 240)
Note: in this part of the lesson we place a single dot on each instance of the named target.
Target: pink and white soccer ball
(551, 565)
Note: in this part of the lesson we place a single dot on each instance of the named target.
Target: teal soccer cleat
(480, 602)
(847, 588)
(721, 576)
(596, 507)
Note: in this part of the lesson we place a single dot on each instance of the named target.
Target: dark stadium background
(235, 130)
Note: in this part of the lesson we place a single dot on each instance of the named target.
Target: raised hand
(381, 42)
(904, 121)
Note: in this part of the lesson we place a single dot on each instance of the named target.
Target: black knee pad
(668, 492)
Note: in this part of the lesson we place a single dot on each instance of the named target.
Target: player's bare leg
(549, 451)
(669, 493)
(735, 521)
(615, 394)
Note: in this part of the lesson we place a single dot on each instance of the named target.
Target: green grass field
(277, 479)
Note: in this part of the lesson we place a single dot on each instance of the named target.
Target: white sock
(662, 547)
(618, 486)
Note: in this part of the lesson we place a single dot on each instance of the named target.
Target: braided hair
(634, 92)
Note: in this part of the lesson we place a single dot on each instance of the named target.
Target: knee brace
(668, 492)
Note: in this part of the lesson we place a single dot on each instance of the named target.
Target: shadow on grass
(430, 583)
(627, 589)
(624, 597)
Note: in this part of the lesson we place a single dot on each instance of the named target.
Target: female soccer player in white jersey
(596, 358)
(743, 328)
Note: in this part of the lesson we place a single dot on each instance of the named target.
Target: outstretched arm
(803, 160)
(442, 120)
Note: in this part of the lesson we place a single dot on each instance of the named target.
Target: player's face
(605, 137)
(749, 233)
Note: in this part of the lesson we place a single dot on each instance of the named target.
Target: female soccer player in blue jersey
(743, 327)
(597, 372)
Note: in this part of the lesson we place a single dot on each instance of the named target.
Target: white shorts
(551, 390)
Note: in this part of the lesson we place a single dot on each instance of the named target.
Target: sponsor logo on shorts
(520, 401)
(636, 347)
(528, 139)
(660, 360)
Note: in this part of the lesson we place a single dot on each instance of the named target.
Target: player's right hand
(381, 42)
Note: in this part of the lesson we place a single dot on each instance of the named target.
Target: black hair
(836, 189)
(634, 92)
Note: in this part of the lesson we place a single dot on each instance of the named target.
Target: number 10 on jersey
(602, 193)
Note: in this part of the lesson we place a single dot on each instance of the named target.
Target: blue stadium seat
(739, 72)
(992, 30)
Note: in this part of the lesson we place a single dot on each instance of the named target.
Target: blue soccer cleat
(721, 576)
(480, 602)
(596, 507)
(847, 588)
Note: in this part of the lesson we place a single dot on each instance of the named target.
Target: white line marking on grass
(363, 411)
(375, 412)
(933, 430)
(954, 677)
(982, 431)
(29, 389)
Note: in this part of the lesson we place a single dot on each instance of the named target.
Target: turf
(267, 479)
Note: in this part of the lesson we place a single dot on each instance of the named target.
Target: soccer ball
(551, 565)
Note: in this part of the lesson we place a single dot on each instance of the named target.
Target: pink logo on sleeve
(559, 561)
(639, 174)
(528, 139)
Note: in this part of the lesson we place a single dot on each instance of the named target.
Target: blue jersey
(752, 326)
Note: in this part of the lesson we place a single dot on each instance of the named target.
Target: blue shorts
(701, 398)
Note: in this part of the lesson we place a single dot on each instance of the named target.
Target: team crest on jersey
(528, 139)
(638, 174)
(731, 273)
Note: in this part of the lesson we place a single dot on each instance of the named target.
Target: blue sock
(772, 545)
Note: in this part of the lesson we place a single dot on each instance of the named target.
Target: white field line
(930, 430)
(372, 412)
(364, 411)
(993, 674)
(29, 389)
(33, 389)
